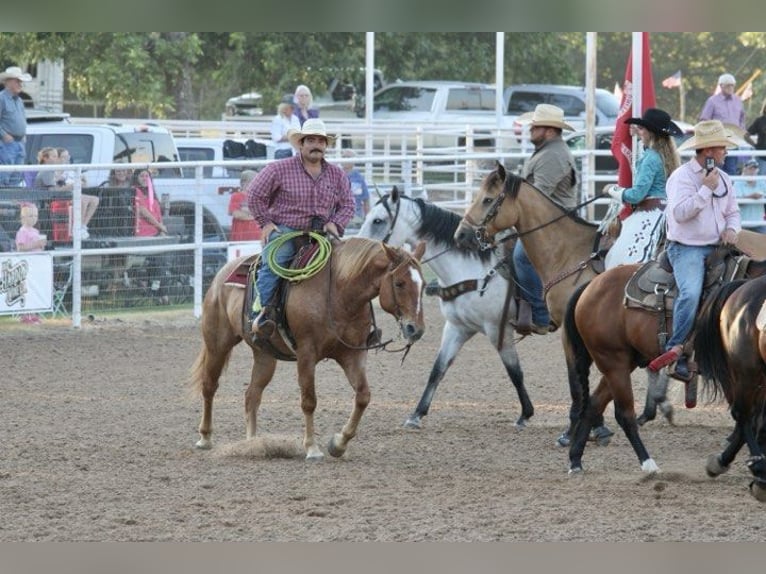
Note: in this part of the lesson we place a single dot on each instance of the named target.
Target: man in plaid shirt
(299, 193)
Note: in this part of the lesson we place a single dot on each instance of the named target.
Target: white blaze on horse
(328, 316)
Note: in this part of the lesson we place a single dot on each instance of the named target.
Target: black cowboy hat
(656, 121)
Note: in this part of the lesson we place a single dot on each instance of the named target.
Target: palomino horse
(561, 246)
(730, 347)
(601, 329)
(471, 291)
(329, 316)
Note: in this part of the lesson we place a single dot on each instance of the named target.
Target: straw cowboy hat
(709, 133)
(15, 72)
(656, 121)
(311, 127)
(546, 115)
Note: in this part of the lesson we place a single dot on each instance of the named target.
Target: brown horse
(601, 329)
(730, 346)
(560, 245)
(329, 315)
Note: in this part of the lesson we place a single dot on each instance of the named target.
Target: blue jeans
(12, 153)
(730, 165)
(531, 287)
(688, 263)
(267, 281)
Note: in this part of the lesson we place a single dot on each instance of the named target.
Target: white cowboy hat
(311, 127)
(546, 115)
(15, 72)
(709, 133)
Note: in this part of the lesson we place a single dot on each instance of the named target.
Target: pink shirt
(26, 235)
(284, 193)
(695, 214)
(143, 227)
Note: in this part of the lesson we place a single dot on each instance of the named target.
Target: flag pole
(682, 100)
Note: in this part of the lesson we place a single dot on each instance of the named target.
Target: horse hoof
(601, 435)
(204, 444)
(714, 467)
(649, 466)
(576, 471)
(332, 447)
(563, 440)
(521, 423)
(758, 490)
(667, 411)
(643, 419)
(413, 422)
(314, 456)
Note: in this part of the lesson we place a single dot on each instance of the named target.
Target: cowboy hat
(311, 127)
(709, 133)
(656, 121)
(15, 72)
(546, 115)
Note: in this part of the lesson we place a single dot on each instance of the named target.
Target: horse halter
(392, 215)
(480, 229)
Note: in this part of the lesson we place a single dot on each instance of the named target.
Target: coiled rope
(317, 263)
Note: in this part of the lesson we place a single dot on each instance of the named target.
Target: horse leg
(355, 372)
(757, 461)
(656, 396)
(453, 340)
(624, 412)
(306, 382)
(510, 358)
(206, 371)
(263, 369)
(593, 410)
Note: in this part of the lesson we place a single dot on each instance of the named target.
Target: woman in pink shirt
(148, 210)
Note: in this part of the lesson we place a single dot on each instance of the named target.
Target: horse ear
(501, 171)
(380, 195)
(419, 250)
(395, 194)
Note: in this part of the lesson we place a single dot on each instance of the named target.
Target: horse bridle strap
(452, 292)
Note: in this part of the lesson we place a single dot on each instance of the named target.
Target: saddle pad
(651, 287)
(238, 277)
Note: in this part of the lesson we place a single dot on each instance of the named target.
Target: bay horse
(563, 249)
(730, 348)
(472, 293)
(329, 316)
(601, 329)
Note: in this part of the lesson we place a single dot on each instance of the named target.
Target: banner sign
(26, 282)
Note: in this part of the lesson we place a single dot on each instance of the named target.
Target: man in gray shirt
(551, 169)
(13, 124)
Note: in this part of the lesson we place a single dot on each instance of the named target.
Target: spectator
(119, 177)
(641, 229)
(283, 122)
(13, 124)
(28, 238)
(148, 210)
(551, 169)
(751, 188)
(302, 104)
(68, 175)
(243, 225)
(358, 188)
(726, 107)
(53, 180)
(758, 129)
(701, 214)
(300, 193)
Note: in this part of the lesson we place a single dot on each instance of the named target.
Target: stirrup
(665, 359)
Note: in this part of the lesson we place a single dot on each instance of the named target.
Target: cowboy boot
(265, 324)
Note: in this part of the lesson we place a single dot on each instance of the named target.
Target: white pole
(369, 89)
(499, 86)
(590, 114)
(637, 82)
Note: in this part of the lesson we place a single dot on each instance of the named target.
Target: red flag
(622, 142)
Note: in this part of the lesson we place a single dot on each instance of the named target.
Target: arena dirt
(99, 433)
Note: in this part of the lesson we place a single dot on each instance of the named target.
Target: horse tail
(578, 356)
(709, 352)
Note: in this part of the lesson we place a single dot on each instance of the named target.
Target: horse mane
(358, 252)
(440, 225)
(512, 185)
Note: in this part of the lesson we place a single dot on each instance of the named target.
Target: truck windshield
(140, 147)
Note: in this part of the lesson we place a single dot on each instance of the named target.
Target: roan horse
(329, 315)
(561, 246)
(730, 347)
(472, 292)
(601, 329)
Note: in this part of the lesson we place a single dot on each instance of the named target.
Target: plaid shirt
(284, 193)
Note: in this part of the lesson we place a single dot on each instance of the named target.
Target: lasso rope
(317, 263)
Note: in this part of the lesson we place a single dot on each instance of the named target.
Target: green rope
(317, 263)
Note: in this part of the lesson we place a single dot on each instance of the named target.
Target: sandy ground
(99, 433)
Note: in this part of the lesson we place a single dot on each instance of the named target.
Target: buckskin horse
(328, 316)
(730, 347)
(472, 292)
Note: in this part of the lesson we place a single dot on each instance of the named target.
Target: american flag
(673, 81)
(747, 92)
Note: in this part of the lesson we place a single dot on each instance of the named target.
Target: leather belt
(650, 204)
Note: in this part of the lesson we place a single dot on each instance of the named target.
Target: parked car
(522, 98)
(247, 105)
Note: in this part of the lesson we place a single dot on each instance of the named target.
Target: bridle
(392, 216)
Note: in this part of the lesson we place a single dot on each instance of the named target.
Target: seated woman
(54, 180)
(148, 209)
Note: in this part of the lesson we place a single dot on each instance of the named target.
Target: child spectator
(243, 225)
(28, 238)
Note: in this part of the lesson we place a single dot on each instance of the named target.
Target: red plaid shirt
(284, 193)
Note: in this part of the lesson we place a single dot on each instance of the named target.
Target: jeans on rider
(267, 281)
(531, 285)
(688, 263)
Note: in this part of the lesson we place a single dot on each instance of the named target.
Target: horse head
(489, 212)
(382, 219)
(402, 288)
